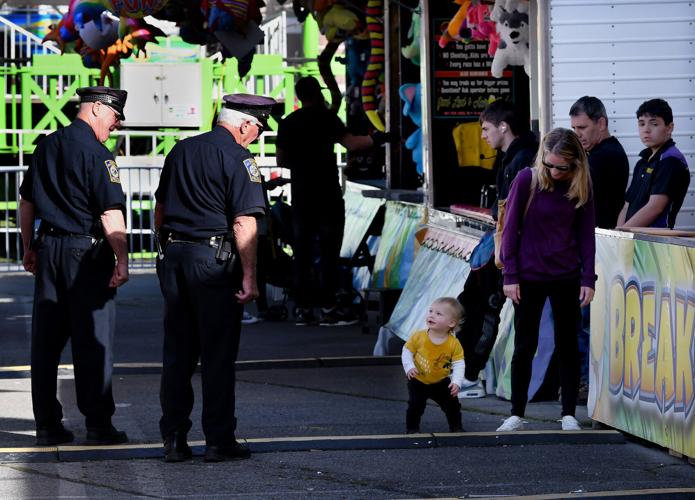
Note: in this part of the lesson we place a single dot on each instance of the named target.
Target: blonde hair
(454, 306)
(565, 144)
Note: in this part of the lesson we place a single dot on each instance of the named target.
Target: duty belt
(47, 229)
(212, 241)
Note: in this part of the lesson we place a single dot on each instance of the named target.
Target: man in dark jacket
(482, 296)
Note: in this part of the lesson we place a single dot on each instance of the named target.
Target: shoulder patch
(252, 170)
(112, 169)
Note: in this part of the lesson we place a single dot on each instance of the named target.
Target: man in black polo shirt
(73, 186)
(607, 159)
(305, 145)
(208, 198)
(661, 177)
(609, 173)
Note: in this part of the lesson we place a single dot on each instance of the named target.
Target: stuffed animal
(411, 95)
(412, 50)
(373, 77)
(513, 29)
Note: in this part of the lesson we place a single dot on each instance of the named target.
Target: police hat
(257, 106)
(113, 98)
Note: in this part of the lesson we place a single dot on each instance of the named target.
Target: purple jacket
(554, 241)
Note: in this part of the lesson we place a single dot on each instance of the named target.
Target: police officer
(73, 187)
(208, 198)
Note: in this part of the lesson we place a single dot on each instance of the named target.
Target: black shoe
(337, 317)
(412, 431)
(105, 436)
(220, 453)
(456, 429)
(304, 317)
(176, 448)
(49, 436)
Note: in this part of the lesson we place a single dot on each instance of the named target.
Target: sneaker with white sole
(472, 389)
(248, 319)
(569, 423)
(511, 424)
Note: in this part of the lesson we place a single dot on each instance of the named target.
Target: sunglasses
(559, 168)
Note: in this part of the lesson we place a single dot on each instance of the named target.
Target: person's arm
(356, 142)
(158, 216)
(622, 215)
(515, 205)
(457, 372)
(114, 230)
(27, 216)
(408, 361)
(245, 236)
(646, 215)
(586, 236)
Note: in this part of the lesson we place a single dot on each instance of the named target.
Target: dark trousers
(482, 300)
(419, 393)
(72, 300)
(202, 319)
(320, 229)
(564, 300)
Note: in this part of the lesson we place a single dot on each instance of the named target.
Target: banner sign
(642, 372)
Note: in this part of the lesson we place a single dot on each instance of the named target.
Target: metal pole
(425, 71)
(545, 77)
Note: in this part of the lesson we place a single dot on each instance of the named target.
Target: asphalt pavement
(322, 417)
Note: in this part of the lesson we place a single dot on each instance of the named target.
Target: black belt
(47, 229)
(212, 241)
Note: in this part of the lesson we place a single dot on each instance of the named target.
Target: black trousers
(482, 300)
(202, 320)
(564, 300)
(440, 393)
(72, 300)
(320, 229)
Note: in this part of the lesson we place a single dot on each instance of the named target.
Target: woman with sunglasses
(548, 250)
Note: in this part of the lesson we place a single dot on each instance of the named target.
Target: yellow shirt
(433, 362)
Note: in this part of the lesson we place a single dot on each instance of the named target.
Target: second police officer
(208, 199)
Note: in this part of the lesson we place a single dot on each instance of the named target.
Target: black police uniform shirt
(610, 170)
(206, 182)
(307, 137)
(73, 179)
(665, 172)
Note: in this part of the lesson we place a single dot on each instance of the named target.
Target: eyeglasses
(257, 124)
(559, 168)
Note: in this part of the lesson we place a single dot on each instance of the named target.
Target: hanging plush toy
(412, 107)
(513, 30)
(457, 28)
(412, 50)
(375, 67)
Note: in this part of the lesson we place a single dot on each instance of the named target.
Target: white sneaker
(569, 423)
(472, 389)
(248, 319)
(511, 424)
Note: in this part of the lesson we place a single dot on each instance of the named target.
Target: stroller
(274, 263)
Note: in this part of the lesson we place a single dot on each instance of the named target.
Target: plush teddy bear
(512, 26)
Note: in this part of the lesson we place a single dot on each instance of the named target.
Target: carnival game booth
(642, 368)
(642, 381)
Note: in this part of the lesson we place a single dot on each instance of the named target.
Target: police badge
(112, 169)
(252, 169)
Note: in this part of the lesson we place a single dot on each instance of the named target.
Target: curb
(76, 453)
(24, 371)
